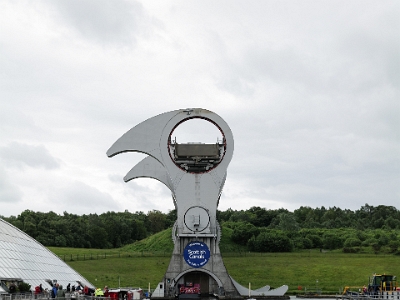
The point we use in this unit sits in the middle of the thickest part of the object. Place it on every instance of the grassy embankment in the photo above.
(146, 261)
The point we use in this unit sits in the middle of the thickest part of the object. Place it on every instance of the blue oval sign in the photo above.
(196, 254)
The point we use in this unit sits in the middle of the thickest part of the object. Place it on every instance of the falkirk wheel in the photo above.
(195, 173)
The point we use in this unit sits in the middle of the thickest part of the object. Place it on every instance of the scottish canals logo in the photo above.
(196, 254)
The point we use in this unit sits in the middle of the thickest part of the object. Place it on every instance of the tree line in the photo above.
(259, 229)
(107, 230)
(367, 217)
(331, 228)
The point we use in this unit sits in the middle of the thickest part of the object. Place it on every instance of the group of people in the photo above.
(78, 291)
(72, 292)
(56, 291)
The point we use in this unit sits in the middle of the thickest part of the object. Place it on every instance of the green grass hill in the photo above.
(162, 241)
(145, 262)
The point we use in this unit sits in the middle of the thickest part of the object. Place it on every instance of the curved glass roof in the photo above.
(23, 258)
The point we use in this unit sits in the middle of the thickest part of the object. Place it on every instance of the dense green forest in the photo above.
(258, 229)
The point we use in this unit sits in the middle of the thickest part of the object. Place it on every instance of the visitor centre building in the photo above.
(23, 259)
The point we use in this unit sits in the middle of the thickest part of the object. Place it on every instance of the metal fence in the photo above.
(392, 295)
(230, 253)
(98, 256)
(44, 296)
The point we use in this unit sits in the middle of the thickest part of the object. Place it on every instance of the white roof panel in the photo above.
(22, 257)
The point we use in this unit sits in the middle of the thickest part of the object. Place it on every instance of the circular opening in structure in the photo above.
(197, 130)
(197, 145)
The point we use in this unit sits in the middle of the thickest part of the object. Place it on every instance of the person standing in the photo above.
(60, 293)
(37, 291)
(12, 287)
(54, 291)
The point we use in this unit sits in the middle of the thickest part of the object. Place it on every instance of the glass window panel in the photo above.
(23, 257)
(8, 273)
(5, 262)
(2, 273)
(7, 254)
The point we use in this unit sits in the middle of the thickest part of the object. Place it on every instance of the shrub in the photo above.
(332, 241)
(243, 232)
(369, 242)
(393, 246)
(351, 249)
(251, 244)
(383, 240)
(361, 235)
(302, 243)
(24, 287)
(273, 241)
(298, 243)
(352, 242)
(376, 247)
(315, 239)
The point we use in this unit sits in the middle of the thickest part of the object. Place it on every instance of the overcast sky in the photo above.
(310, 90)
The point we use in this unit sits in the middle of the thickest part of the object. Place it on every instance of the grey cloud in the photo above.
(9, 192)
(20, 155)
(15, 122)
(150, 196)
(116, 178)
(146, 196)
(145, 191)
(310, 92)
(323, 56)
(103, 21)
(82, 198)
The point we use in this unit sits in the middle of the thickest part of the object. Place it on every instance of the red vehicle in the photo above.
(189, 289)
(125, 294)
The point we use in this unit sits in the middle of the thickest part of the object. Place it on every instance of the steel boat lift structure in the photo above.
(195, 173)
